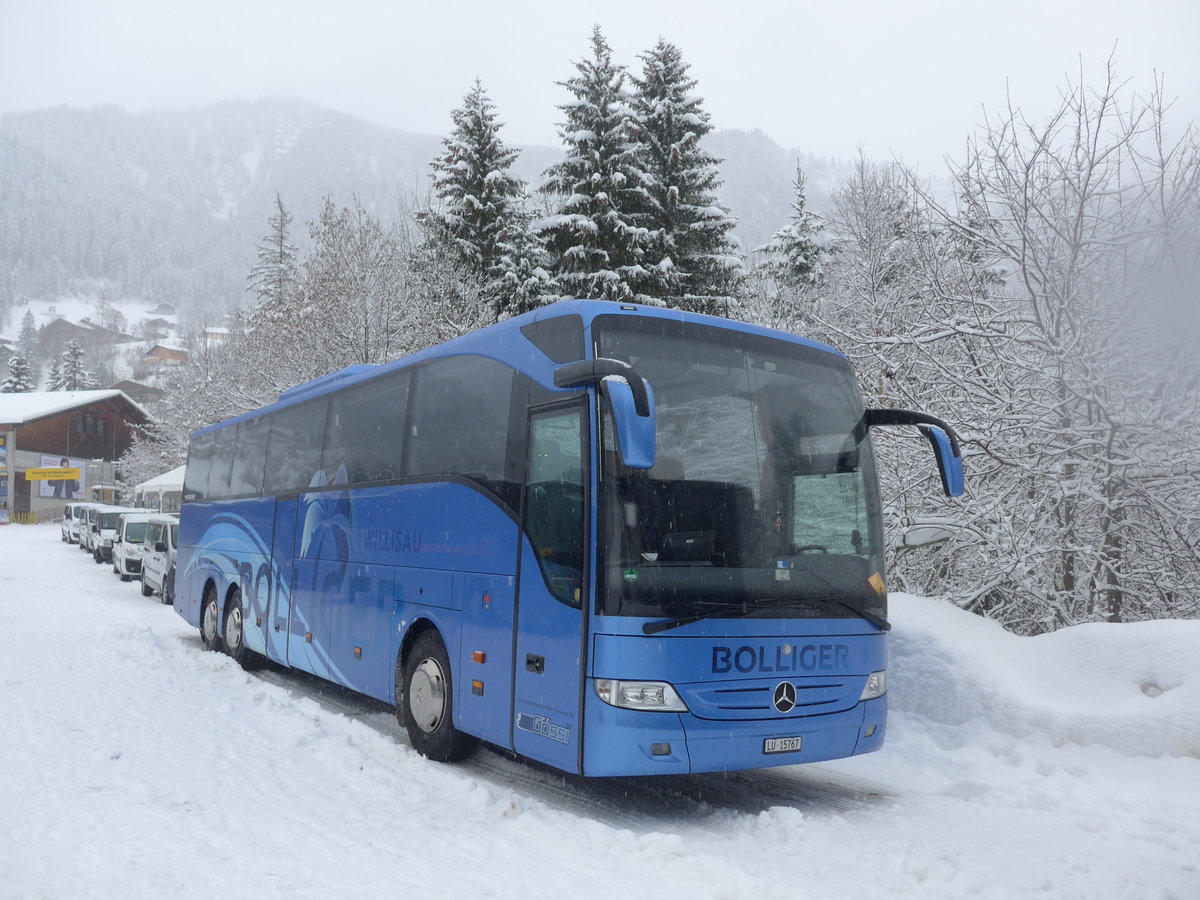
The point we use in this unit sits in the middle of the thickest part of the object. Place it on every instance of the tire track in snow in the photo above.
(637, 802)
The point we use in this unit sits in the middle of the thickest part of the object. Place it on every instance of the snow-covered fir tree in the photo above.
(795, 251)
(54, 382)
(20, 378)
(694, 258)
(478, 199)
(73, 375)
(599, 232)
(524, 282)
(29, 343)
(273, 277)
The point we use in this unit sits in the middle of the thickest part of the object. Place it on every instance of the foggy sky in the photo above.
(906, 79)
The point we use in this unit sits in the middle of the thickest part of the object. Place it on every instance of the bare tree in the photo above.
(1051, 316)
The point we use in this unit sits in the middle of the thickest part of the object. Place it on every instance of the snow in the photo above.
(252, 157)
(135, 765)
(80, 307)
(16, 409)
(168, 481)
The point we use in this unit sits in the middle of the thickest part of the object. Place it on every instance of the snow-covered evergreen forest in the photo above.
(1046, 304)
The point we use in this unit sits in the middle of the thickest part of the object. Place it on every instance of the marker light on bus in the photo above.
(652, 696)
(876, 686)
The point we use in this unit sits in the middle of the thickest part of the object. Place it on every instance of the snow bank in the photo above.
(136, 765)
(1132, 687)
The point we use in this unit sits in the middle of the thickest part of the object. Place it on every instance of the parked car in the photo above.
(158, 557)
(78, 520)
(89, 527)
(70, 522)
(104, 530)
(128, 543)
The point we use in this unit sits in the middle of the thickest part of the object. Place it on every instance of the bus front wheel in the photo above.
(429, 702)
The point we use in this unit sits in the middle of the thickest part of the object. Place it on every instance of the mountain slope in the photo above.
(170, 205)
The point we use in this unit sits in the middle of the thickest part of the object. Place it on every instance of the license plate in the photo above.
(781, 745)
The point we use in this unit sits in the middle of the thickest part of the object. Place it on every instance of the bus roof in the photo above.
(506, 343)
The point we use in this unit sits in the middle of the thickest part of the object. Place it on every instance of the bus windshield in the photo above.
(763, 501)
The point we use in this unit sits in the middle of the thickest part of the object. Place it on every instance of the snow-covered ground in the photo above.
(134, 765)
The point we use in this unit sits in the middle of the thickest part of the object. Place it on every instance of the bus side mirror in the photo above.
(629, 398)
(941, 436)
(635, 433)
(949, 462)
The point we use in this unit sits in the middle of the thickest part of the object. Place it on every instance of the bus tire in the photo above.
(210, 635)
(429, 702)
(235, 632)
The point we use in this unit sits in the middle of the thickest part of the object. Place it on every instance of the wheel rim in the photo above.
(233, 627)
(427, 696)
(210, 622)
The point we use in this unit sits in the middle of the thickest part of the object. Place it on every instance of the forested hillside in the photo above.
(167, 206)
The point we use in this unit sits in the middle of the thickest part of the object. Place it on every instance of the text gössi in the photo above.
(782, 658)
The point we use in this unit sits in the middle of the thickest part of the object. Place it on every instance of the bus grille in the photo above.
(753, 699)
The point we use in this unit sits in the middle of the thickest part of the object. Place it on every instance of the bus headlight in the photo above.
(652, 696)
(876, 686)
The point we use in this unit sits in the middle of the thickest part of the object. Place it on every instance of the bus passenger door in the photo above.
(548, 668)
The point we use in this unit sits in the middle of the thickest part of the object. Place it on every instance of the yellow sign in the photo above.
(51, 474)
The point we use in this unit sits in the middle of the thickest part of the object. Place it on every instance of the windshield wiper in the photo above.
(655, 627)
(878, 621)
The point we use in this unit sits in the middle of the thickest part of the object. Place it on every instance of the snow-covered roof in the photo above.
(167, 481)
(17, 409)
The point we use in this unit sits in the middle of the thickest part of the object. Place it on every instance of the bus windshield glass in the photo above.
(763, 500)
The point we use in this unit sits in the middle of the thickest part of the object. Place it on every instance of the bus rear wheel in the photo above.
(209, 636)
(429, 702)
(235, 632)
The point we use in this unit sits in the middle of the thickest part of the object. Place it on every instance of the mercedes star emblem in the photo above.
(785, 696)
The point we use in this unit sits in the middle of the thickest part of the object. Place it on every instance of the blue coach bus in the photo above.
(616, 539)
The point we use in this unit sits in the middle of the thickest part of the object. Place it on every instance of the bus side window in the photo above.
(294, 446)
(365, 430)
(195, 478)
(460, 419)
(554, 503)
(246, 476)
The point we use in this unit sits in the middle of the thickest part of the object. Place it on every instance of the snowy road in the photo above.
(135, 765)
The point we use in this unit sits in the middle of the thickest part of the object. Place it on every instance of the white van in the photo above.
(104, 529)
(74, 519)
(158, 557)
(128, 543)
(89, 527)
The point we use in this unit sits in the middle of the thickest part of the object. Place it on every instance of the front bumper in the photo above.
(620, 741)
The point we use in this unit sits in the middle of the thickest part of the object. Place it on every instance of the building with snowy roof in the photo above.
(87, 430)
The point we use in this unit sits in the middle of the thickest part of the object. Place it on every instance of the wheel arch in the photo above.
(416, 628)
(210, 584)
